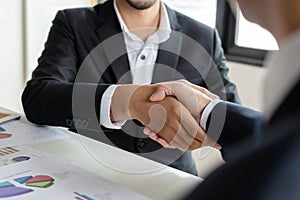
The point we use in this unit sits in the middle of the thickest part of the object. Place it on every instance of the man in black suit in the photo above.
(262, 154)
(91, 50)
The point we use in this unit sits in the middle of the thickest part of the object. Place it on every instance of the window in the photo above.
(242, 40)
(253, 36)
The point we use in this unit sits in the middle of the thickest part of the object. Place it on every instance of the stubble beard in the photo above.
(141, 4)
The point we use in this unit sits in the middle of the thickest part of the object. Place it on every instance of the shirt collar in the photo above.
(161, 35)
(283, 75)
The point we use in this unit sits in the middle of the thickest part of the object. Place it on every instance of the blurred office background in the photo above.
(24, 25)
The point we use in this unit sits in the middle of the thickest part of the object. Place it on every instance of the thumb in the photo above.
(159, 94)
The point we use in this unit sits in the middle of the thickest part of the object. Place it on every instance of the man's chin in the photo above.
(141, 4)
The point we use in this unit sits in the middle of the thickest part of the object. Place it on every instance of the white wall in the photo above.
(250, 82)
(11, 54)
(24, 26)
(39, 16)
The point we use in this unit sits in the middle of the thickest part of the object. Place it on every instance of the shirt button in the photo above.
(140, 143)
(143, 57)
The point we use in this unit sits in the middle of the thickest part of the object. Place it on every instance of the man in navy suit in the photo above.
(262, 153)
(95, 60)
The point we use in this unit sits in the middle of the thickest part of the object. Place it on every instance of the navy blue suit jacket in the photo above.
(262, 163)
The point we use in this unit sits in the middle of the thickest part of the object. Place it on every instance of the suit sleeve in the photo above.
(47, 98)
(217, 79)
(231, 124)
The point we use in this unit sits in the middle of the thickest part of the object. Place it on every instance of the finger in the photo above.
(161, 141)
(217, 146)
(175, 134)
(200, 89)
(210, 142)
(150, 133)
(159, 94)
(192, 127)
(155, 137)
(173, 131)
(177, 138)
(197, 137)
(180, 142)
(184, 138)
(147, 131)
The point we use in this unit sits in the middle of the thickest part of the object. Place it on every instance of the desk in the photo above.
(122, 167)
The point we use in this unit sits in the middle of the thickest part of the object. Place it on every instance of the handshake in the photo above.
(170, 111)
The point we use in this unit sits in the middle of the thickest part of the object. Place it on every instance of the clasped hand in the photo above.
(170, 111)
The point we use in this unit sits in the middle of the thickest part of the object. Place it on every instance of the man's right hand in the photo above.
(193, 97)
(168, 118)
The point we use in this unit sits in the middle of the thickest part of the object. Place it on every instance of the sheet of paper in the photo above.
(19, 132)
(47, 177)
(13, 155)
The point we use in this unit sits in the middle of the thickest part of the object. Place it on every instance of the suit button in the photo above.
(140, 143)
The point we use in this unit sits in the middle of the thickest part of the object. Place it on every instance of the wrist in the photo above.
(140, 101)
(207, 111)
(202, 105)
(120, 104)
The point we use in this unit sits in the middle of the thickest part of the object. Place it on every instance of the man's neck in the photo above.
(143, 23)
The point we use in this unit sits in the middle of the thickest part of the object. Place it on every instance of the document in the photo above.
(43, 176)
(4, 117)
(13, 155)
(20, 132)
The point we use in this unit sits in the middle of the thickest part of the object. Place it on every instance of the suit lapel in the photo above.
(168, 53)
(112, 40)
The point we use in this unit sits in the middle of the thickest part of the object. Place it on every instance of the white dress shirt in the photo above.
(141, 55)
(284, 72)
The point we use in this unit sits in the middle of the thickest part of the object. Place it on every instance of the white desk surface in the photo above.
(142, 175)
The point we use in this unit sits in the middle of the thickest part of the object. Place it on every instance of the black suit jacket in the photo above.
(266, 164)
(85, 53)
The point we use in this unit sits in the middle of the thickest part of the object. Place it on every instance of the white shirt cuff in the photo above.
(105, 109)
(206, 112)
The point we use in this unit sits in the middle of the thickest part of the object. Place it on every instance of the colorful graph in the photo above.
(7, 189)
(82, 196)
(20, 159)
(7, 151)
(36, 181)
(4, 135)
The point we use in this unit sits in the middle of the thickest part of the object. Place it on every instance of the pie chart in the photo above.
(5, 135)
(20, 159)
(41, 181)
(8, 189)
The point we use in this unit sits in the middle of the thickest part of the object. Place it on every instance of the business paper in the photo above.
(5, 117)
(14, 155)
(47, 177)
(20, 132)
